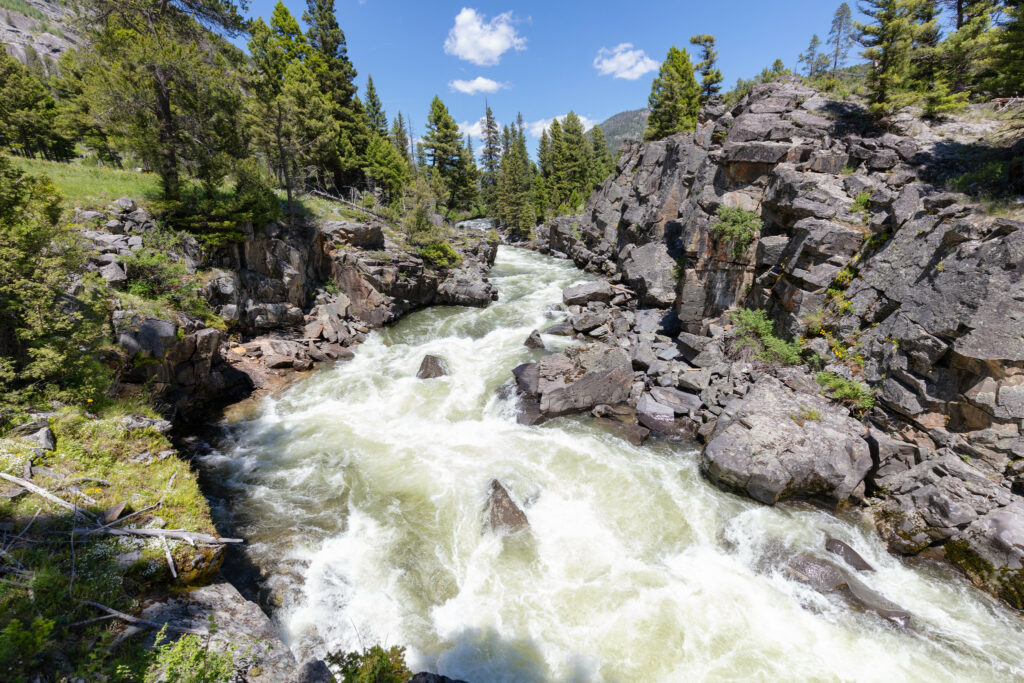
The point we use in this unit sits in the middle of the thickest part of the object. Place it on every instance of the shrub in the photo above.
(860, 203)
(440, 254)
(737, 227)
(815, 320)
(189, 660)
(846, 391)
(51, 321)
(155, 276)
(375, 665)
(756, 330)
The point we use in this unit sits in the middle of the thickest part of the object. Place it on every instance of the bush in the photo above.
(440, 254)
(189, 660)
(754, 329)
(737, 227)
(860, 203)
(376, 665)
(846, 391)
(155, 276)
(51, 321)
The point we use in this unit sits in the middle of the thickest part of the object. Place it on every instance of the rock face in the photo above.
(861, 252)
(775, 443)
(502, 514)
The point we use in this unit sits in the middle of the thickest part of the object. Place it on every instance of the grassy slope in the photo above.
(90, 187)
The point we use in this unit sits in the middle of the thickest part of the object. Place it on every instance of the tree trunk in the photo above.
(166, 130)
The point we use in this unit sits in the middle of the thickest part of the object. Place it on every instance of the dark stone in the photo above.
(431, 367)
(534, 341)
(582, 294)
(852, 557)
(502, 514)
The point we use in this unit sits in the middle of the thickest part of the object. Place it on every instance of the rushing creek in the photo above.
(361, 490)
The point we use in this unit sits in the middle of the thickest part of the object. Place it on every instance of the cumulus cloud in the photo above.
(623, 61)
(536, 128)
(478, 84)
(482, 42)
(476, 128)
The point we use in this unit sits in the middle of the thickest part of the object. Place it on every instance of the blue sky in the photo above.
(538, 58)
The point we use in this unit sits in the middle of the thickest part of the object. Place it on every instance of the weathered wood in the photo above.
(181, 535)
(45, 494)
(141, 622)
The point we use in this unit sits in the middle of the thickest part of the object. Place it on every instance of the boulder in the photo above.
(368, 236)
(502, 514)
(584, 293)
(313, 671)
(991, 552)
(534, 341)
(431, 367)
(582, 378)
(774, 443)
(648, 270)
(114, 275)
(466, 286)
(424, 677)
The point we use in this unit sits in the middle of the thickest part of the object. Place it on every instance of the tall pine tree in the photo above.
(888, 40)
(675, 97)
(490, 159)
(840, 37)
(443, 145)
(710, 74)
(375, 110)
(399, 137)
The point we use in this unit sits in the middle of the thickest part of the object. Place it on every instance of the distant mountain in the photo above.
(36, 32)
(626, 125)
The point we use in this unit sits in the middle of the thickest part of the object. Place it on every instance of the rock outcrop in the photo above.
(857, 250)
(502, 514)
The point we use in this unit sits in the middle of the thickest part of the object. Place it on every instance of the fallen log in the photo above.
(29, 486)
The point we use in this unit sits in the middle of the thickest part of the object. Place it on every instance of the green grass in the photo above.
(756, 330)
(846, 391)
(93, 187)
(737, 227)
(22, 7)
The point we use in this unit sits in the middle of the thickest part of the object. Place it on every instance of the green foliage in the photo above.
(710, 74)
(815, 62)
(806, 415)
(188, 660)
(838, 297)
(756, 330)
(22, 7)
(50, 328)
(815, 320)
(861, 202)
(737, 227)
(21, 644)
(375, 665)
(888, 39)
(375, 110)
(768, 75)
(840, 37)
(675, 97)
(28, 114)
(386, 167)
(440, 254)
(571, 165)
(849, 392)
(444, 148)
(515, 185)
(490, 161)
(92, 187)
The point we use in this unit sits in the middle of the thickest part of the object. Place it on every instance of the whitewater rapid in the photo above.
(360, 491)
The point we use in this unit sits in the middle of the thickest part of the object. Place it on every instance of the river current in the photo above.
(361, 490)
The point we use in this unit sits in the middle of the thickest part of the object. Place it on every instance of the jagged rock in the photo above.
(431, 367)
(584, 293)
(991, 552)
(648, 270)
(851, 556)
(582, 378)
(502, 514)
(466, 287)
(114, 275)
(313, 671)
(680, 402)
(424, 677)
(775, 443)
(363, 235)
(534, 341)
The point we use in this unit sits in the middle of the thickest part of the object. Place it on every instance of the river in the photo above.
(360, 491)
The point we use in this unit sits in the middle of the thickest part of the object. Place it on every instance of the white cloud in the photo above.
(476, 129)
(482, 42)
(536, 128)
(478, 84)
(622, 61)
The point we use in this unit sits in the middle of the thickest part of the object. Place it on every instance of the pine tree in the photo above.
(710, 74)
(156, 73)
(574, 158)
(386, 167)
(28, 115)
(490, 159)
(840, 37)
(515, 185)
(888, 40)
(675, 97)
(443, 145)
(336, 74)
(1008, 46)
(602, 164)
(375, 110)
(965, 52)
(465, 185)
(398, 136)
(815, 63)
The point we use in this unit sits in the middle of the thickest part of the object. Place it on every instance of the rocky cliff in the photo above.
(879, 273)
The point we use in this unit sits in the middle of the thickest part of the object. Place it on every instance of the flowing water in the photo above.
(361, 491)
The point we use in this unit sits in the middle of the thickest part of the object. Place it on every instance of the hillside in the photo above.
(626, 125)
(35, 28)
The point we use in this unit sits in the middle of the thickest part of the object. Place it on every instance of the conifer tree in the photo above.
(815, 63)
(465, 185)
(840, 37)
(574, 162)
(710, 74)
(888, 39)
(965, 52)
(1008, 67)
(375, 110)
(398, 136)
(515, 185)
(386, 167)
(602, 163)
(490, 159)
(443, 145)
(675, 97)
(28, 115)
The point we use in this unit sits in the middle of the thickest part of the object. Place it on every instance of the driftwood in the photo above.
(181, 535)
(137, 621)
(46, 494)
(167, 554)
(346, 202)
(627, 290)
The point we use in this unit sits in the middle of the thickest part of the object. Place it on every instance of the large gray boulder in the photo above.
(583, 378)
(775, 443)
(432, 367)
(991, 552)
(502, 514)
(584, 293)
(827, 577)
(649, 271)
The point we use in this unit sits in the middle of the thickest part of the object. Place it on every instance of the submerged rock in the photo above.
(502, 513)
(851, 556)
(826, 577)
(534, 341)
(431, 367)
